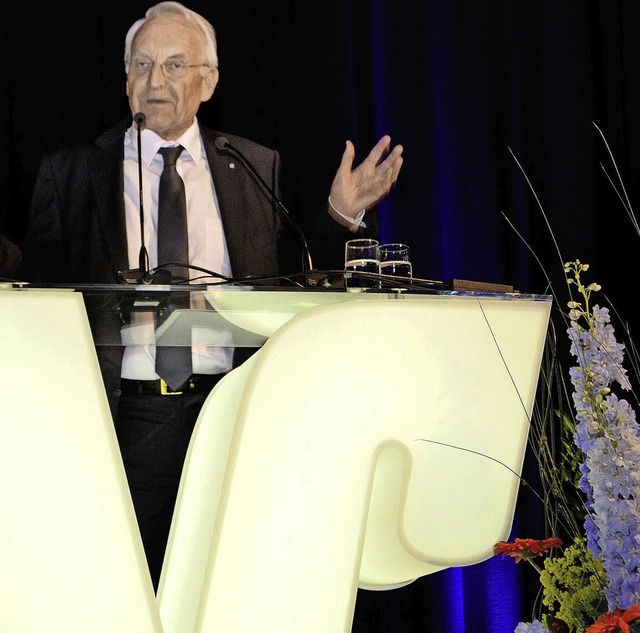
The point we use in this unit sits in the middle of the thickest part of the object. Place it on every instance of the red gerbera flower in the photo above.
(525, 548)
(615, 621)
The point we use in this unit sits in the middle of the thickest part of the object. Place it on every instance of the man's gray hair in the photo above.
(175, 9)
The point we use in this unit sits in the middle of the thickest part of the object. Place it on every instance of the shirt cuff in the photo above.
(353, 224)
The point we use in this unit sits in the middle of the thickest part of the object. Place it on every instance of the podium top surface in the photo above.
(227, 315)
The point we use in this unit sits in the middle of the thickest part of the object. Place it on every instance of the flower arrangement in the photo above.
(592, 482)
(594, 586)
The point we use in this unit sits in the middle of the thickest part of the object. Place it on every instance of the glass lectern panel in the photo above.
(223, 315)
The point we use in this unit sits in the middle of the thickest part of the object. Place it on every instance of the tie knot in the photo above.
(170, 154)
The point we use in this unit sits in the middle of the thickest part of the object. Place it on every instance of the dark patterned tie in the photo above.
(173, 244)
(173, 364)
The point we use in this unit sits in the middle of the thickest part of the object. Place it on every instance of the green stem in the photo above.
(534, 565)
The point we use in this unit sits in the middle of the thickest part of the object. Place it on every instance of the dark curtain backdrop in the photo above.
(471, 88)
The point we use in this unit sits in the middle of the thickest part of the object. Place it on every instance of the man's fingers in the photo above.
(379, 149)
(348, 157)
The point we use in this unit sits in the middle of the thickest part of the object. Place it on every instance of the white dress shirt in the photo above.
(207, 245)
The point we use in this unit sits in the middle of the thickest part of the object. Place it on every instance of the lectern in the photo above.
(71, 558)
(372, 439)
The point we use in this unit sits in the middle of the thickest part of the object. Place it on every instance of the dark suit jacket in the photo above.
(10, 257)
(77, 234)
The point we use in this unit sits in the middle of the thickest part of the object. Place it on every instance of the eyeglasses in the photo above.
(175, 69)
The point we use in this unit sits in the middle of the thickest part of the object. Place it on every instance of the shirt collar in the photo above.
(151, 142)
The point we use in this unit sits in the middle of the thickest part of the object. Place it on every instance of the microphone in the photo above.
(143, 257)
(222, 143)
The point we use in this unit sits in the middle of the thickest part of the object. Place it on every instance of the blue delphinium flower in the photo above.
(607, 432)
(533, 627)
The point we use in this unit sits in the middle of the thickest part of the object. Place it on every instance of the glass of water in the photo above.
(395, 260)
(362, 256)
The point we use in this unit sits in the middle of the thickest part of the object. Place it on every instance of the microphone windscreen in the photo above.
(140, 117)
(221, 143)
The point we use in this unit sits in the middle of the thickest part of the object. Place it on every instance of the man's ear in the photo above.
(209, 84)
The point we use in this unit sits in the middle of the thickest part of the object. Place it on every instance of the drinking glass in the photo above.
(361, 255)
(395, 260)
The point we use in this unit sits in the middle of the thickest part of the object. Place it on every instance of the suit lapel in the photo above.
(229, 184)
(107, 181)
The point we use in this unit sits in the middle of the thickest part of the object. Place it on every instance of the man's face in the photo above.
(160, 84)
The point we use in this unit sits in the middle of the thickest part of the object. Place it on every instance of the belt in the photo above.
(197, 383)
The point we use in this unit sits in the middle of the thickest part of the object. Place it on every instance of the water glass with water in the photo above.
(395, 260)
(362, 256)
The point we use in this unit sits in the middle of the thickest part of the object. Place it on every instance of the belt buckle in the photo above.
(164, 390)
